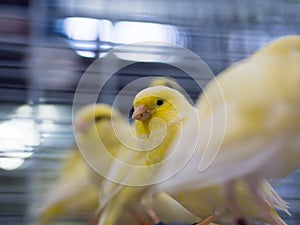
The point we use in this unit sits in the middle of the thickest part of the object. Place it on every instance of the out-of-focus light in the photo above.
(84, 29)
(128, 32)
(17, 138)
(106, 47)
(48, 111)
(93, 37)
(47, 114)
(24, 110)
(80, 29)
(146, 52)
(47, 125)
(138, 34)
(105, 30)
(87, 54)
(84, 49)
(11, 163)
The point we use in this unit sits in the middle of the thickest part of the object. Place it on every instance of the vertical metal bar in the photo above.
(38, 21)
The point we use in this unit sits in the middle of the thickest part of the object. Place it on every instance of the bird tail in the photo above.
(273, 199)
(278, 219)
(275, 202)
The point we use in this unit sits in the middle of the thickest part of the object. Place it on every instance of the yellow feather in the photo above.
(171, 115)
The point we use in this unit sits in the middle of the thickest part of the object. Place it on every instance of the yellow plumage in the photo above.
(173, 114)
(106, 145)
(124, 197)
(262, 109)
(212, 201)
(158, 130)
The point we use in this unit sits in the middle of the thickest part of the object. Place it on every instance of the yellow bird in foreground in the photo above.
(161, 115)
(119, 197)
(249, 120)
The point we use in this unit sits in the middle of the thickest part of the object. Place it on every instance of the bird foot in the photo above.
(207, 220)
(143, 223)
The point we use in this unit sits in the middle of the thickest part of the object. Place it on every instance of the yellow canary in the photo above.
(80, 185)
(119, 197)
(164, 112)
(159, 113)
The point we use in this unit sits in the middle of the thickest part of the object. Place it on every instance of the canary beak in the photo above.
(141, 113)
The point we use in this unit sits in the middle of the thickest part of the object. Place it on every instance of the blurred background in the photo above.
(47, 45)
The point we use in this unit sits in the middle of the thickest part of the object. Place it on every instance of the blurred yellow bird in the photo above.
(77, 190)
(104, 141)
(250, 127)
(73, 195)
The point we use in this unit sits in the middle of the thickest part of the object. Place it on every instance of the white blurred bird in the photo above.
(249, 118)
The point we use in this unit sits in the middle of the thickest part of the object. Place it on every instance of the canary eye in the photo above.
(159, 102)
